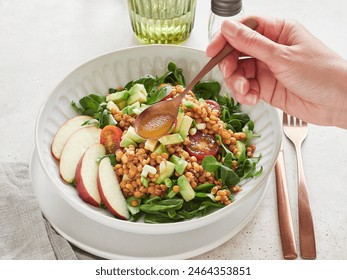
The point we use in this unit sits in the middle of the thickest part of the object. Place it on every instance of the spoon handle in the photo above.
(251, 23)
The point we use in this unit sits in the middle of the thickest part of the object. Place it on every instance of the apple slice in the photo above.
(110, 191)
(64, 132)
(87, 174)
(74, 148)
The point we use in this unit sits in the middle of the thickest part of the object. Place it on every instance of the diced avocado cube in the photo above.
(175, 159)
(136, 97)
(162, 166)
(144, 107)
(186, 189)
(186, 124)
(171, 139)
(168, 182)
(188, 104)
(112, 107)
(133, 107)
(179, 120)
(180, 164)
(122, 104)
(125, 110)
(160, 149)
(144, 181)
(137, 93)
(127, 141)
(151, 144)
(241, 151)
(124, 143)
(138, 111)
(118, 96)
(138, 88)
(109, 119)
(166, 171)
(131, 133)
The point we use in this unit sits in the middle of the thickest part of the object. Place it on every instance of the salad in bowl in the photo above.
(200, 165)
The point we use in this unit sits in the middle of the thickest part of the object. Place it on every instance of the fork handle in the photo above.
(284, 214)
(306, 229)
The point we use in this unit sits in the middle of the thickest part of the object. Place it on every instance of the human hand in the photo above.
(288, 68)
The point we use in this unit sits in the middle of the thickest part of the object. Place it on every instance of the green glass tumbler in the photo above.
(162, 21)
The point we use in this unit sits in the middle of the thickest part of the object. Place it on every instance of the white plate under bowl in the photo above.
(117, 68)
(107, 242)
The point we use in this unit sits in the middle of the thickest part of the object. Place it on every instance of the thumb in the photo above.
(249, 41)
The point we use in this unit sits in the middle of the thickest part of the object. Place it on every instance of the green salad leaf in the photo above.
(95, 106)
(162, 206)
(207, 90)
(159, 95)
(221, 171)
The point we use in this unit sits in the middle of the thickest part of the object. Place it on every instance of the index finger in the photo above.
(216, 45)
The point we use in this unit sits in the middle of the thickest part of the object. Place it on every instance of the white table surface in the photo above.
(42, 41)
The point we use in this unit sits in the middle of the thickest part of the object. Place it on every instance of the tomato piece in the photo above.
(169, 95)
(161, 85)
(202, 145)
(214, 106)
(110, 137)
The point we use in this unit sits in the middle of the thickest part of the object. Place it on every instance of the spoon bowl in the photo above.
(157, 120)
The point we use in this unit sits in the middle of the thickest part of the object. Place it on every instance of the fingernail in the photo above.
(228, 27)
(239, 86)
(251, 99)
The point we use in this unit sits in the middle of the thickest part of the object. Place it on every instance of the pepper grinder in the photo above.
(223, 10)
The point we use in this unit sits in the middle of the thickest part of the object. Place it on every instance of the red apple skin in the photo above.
(64, 131)
(108, 205)
(81, 189)
(74, 148)
(88, 190)
(105, 200)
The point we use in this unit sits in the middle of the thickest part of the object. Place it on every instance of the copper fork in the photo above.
(296, 130)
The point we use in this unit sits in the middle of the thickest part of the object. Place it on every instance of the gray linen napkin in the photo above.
(24, 233)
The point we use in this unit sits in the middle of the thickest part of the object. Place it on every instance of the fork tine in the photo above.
(292, 121)
(285, 118)
(299, 122)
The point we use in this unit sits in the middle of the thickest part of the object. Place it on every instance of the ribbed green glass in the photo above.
(162, 21)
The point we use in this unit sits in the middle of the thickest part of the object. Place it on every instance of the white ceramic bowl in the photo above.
(117, 68)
